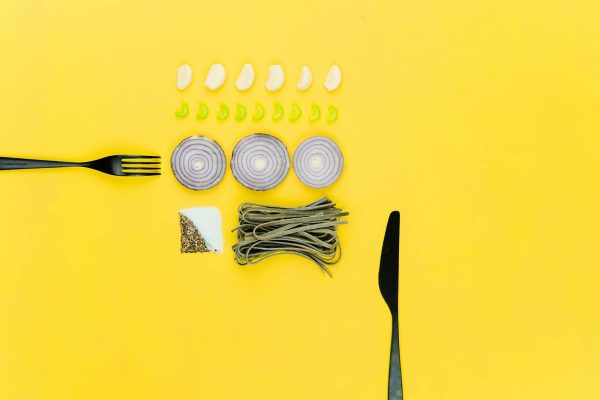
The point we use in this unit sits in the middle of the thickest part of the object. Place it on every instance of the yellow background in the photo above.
(478, 120)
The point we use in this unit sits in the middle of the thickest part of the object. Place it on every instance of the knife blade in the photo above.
(388, 286)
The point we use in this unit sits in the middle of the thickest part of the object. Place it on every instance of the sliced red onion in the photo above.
(318, 162)
(260, 161)
(198, 163)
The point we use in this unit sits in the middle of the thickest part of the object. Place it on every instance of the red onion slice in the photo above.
(260, 161)
(198, 163)
(318, 162)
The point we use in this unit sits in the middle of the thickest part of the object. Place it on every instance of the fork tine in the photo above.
(141, 174)
(127, 163)
(125, 169)
(124, 156)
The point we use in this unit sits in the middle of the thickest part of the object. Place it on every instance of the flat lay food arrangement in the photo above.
(327, 200)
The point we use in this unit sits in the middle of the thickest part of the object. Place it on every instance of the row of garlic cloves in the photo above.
(217, 75)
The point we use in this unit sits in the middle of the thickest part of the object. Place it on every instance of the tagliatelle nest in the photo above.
(310, 231)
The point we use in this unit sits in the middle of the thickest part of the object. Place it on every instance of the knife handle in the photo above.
(395, 377)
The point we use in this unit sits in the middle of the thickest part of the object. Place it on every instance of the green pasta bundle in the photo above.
(309, 231)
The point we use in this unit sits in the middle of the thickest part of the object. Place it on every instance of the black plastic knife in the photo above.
(388, 285)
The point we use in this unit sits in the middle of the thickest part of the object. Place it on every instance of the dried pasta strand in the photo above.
(309, 231)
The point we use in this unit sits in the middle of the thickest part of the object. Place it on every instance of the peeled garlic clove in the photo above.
(184, 76)
(246, 78)
(334, 78)
(215, 77)
(305, 79)
(275, 79)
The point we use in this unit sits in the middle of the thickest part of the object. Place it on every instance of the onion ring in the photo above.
(198, 163)
(318, 162)
(260, 161)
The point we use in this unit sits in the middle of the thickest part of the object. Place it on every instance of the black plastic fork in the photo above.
(119, 165)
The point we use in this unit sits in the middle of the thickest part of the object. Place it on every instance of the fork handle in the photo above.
(8, 163)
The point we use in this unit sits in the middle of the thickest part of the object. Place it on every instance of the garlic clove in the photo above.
(184, 76)
(215, 77)
(334, 78)
(246, 78)
(305, 80)
(275, 78)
